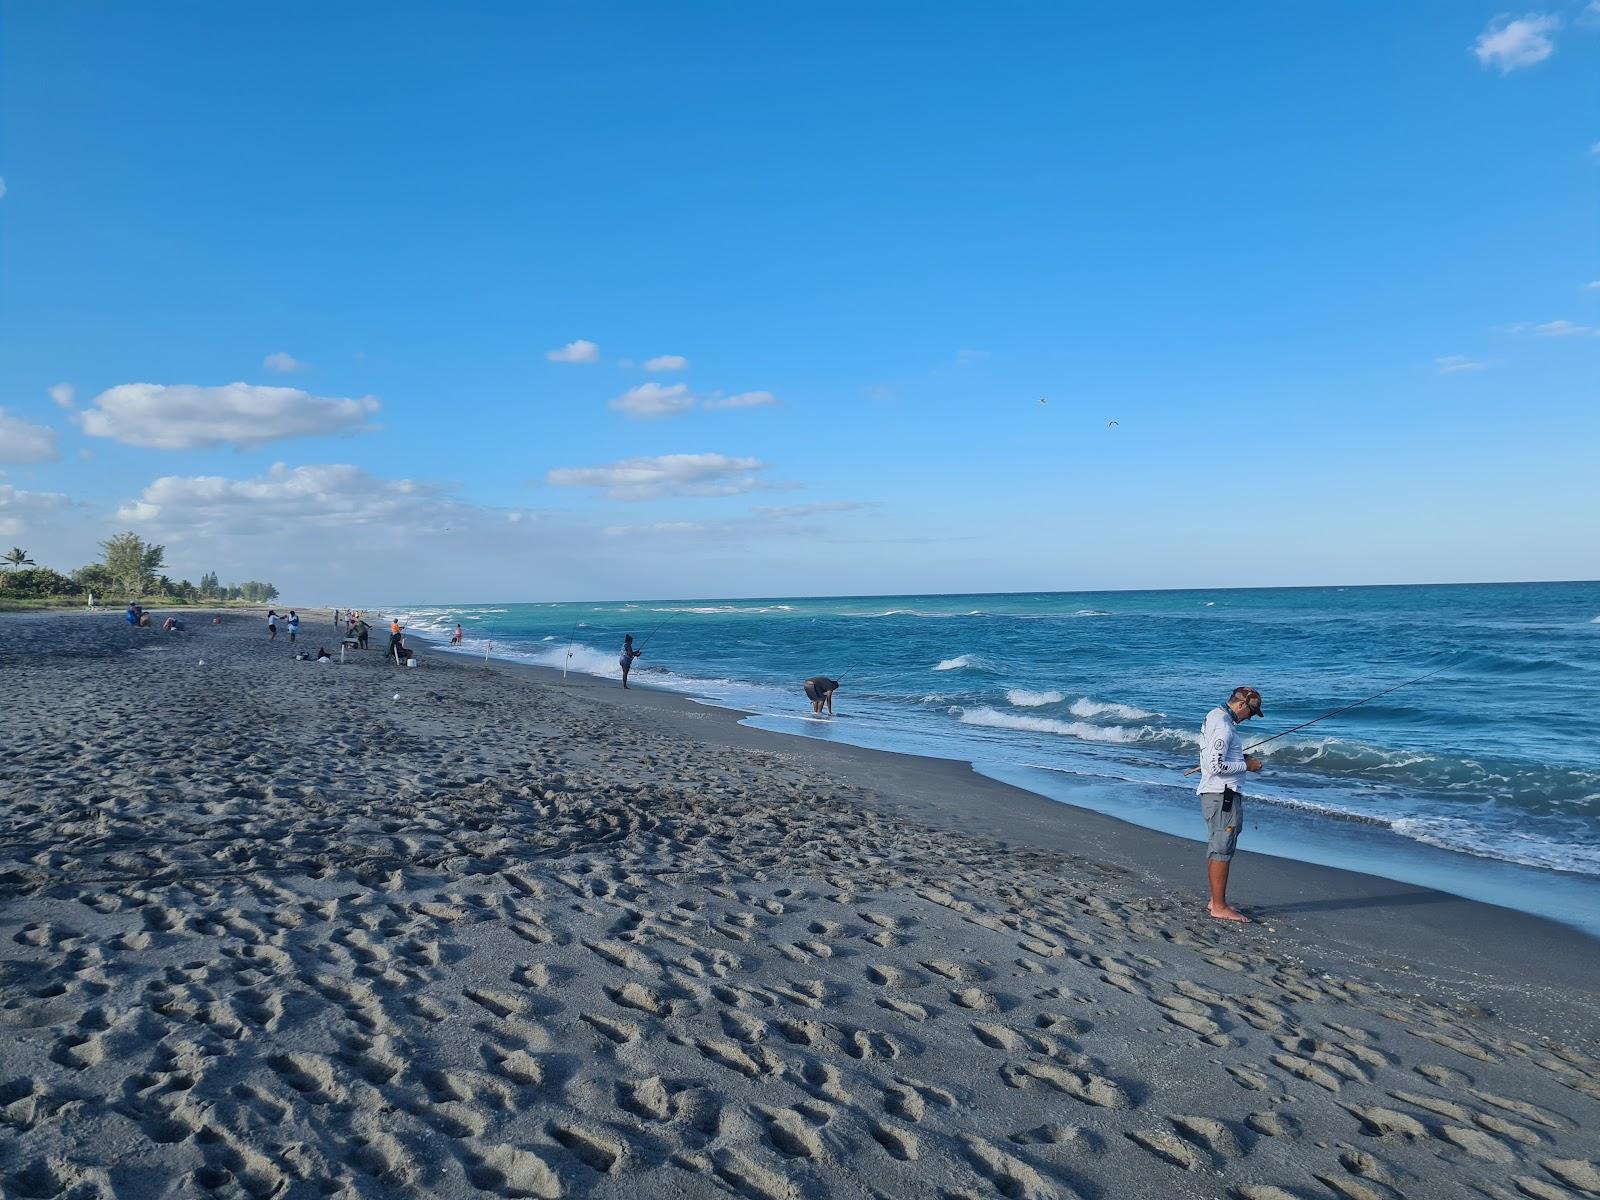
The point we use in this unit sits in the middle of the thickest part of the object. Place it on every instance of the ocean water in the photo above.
(1483, 781)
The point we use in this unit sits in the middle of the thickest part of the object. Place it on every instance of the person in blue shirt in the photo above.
(132, 615)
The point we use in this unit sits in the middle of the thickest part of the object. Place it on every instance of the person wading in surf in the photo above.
(820, 690)
(1222, 762)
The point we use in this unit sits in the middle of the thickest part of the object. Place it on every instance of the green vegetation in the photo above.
(130, 569)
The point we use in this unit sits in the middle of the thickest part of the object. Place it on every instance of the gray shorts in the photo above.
(1222, 828)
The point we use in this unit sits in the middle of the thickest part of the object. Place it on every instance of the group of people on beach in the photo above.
(291, 623)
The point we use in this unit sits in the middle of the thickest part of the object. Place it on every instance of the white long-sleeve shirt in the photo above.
(1221, 752)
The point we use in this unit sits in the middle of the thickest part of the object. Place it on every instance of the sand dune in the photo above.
(270, 931)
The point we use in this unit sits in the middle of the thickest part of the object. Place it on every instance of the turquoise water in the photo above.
(1484, 780)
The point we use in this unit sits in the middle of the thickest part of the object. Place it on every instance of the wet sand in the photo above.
(274, 928)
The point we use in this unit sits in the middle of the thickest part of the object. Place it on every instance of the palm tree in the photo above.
(18, 558)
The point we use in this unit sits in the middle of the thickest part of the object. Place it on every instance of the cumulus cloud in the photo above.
(334, 496)
(580, 351)
(666, 362)
(1510, 43)
(1454, 364)
(19, 510)
(1561, 329)
(284, 363)
(665, 475)
(189, 417)
(650, 400)
(22, 442)
(63, 395)
(742, 400)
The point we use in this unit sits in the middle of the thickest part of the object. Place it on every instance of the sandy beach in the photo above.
(275, 928)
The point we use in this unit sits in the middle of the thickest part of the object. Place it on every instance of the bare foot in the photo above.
(1225, 912)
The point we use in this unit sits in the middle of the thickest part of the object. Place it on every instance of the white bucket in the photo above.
(412, 661)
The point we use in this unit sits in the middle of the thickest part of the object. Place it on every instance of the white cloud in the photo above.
(742, 400)
(22, 442)
(650, 400)
(1592, 286)
(580, 351)
(284, 363)
(657, 528)
(1561, 329)
(20, 510)
(188, 417)
(1510, 43)
(965, 358)
(1453, 364)
(63, 395)
(665, 475)
(330, 497)
(666, 362)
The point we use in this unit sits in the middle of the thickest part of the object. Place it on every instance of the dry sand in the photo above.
(280, 929)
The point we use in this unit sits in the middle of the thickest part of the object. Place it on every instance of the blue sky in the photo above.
(1327, 267)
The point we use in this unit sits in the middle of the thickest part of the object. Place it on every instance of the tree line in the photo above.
(130, 568)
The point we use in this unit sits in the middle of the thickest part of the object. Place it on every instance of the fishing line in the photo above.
(1337, 711)
(657, 629)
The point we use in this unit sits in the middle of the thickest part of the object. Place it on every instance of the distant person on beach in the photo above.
(1222, 762)
(294, 625)
(820, 690)
(395, 627)
(172, 625)
(272, 625)
(455, 638)
(362, 629)
(628, 655)
(132, 615)
(336, 618)
(323, 656)
(144, 619)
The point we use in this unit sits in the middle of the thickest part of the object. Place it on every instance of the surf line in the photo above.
(1337, 711)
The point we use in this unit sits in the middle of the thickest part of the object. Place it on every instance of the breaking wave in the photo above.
(1023, 698)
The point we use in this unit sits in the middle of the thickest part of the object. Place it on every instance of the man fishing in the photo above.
(820, 690)
(1222, 762)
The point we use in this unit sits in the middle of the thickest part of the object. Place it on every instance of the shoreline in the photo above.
(1483, 950)
(1418, 868)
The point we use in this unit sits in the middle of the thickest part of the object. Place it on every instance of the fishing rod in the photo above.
(1337, 711)
(571, 637)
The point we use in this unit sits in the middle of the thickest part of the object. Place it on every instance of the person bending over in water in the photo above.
(628, 655)
(820, 690)
(455, 638)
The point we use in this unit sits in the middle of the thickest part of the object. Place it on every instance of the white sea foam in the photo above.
(1090, 612)
(1082, 730)
(1023, 698)
(965, 662)
(1097, 708)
